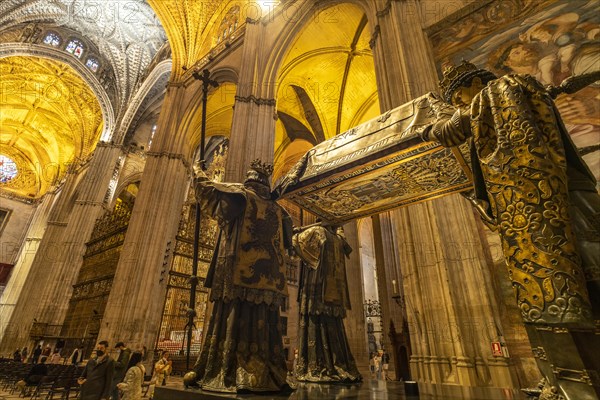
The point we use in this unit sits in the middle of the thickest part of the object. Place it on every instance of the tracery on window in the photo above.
(52, 39)
(75, 47)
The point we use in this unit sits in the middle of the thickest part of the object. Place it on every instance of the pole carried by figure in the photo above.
(191, 312)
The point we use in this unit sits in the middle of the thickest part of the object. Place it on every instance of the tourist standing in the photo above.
(96, 379)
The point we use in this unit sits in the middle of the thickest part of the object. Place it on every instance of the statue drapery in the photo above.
(243, 347)
(323, 351)
(525, 170)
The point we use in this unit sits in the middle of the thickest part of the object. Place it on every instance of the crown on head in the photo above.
(259, 172)
(462, 75)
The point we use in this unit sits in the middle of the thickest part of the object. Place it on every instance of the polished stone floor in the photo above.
(369, 390)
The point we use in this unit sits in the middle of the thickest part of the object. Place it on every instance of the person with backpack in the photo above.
(131, 387)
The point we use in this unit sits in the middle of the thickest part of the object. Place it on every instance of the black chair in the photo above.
(59, 386)
(44, 384)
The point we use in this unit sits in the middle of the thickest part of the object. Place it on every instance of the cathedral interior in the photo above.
(101, 118)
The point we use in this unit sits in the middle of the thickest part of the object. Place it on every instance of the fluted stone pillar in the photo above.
(134, 308)
(441, 263)
(24, 260)
(253, 126)
(354, 323)
(386, 249)
(47, 290)
(403, 58)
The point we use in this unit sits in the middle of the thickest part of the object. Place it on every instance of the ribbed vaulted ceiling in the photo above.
(325, 86)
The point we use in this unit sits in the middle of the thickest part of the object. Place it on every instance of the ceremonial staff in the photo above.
(206, 84)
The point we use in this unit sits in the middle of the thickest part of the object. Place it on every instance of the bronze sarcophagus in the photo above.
(377, 166)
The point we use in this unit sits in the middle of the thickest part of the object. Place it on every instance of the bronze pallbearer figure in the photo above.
(243, 347)
(323, 351)
(531, 185)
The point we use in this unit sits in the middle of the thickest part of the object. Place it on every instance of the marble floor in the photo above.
(369, 390)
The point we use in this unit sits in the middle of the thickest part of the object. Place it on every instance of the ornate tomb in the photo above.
(382, 164)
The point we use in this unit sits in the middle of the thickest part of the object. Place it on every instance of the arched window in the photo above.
(8, 169)
(75, 47)
(52, 39)
(229, 24)
(92, 64)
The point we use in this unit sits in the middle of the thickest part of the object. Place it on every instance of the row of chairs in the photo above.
(61, 380)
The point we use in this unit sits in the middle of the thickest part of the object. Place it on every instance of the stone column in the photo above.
(355, 318)
(403, 57)
(450, 334)
(134, 308)
(385, 250)
(253, 126)
(24, 260)
(47, 290)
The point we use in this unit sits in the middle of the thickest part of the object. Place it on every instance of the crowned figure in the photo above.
(533, 188)
(243, 348)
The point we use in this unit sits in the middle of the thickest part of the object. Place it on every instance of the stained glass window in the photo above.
(8, 169)
(92, 64)
(52, 39)
(75, 47)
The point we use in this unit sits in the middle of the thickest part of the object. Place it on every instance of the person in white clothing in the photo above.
(131, 387)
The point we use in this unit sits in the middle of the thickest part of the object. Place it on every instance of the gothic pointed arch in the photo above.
(297, 17)
(219, 114)
(220, 104)
(151, 91)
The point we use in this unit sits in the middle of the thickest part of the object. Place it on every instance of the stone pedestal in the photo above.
(369, 389)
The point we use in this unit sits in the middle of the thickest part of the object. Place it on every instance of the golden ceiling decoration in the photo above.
(185, 22)
(126, 32)
(193, 26)
(325, 86)
(49, 118)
